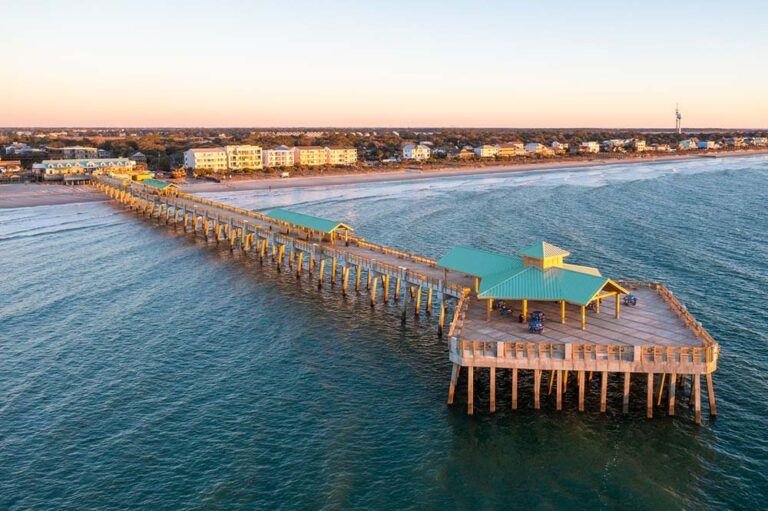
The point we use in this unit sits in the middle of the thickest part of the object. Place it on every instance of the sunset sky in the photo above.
(389, 63)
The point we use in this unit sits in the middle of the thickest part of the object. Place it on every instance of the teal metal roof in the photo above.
(477, 262)
(551, 284)
(307, 221)
(155, 183)
(541, 250)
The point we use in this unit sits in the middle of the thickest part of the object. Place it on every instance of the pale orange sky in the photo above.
(352, 64)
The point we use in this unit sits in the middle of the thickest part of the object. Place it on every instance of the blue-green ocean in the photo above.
(143, 369)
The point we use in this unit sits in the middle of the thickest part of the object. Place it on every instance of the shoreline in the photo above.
(355, 177)
(21, 195)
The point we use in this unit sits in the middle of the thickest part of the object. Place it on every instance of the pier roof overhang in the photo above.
(478, 263)
(537, 272)
(308, 221)
(156, 183)
(552, 284)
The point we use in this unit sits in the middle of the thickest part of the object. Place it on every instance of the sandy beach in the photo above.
(31, 194)
(405, 175)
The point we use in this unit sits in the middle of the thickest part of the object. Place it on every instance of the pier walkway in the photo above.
(657, 338)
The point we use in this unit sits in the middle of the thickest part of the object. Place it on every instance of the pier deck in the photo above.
(652, 322)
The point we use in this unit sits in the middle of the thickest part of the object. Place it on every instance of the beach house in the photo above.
(418, 152)
(487, 151)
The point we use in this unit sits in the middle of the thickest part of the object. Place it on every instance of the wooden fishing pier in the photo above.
(655, 343)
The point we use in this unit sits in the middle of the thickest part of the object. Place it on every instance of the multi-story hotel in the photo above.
(81, 169)
(206, 158)
(341, 155)
(281, 156)
(309, 156)
(243, 157)
(418, 152)
(231, 157)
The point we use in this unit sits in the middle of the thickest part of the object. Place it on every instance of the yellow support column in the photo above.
(333, 270)
(344, 280)
(417, 301)
(300, 263)
(525, 309)
(618, 305)
(322, 271)
(397, 289)
(562, 311)
(385, 287)
(583, 317)
(374, 285)
(357, 278)
(429, 302)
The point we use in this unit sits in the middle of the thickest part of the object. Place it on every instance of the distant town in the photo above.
(71, 155)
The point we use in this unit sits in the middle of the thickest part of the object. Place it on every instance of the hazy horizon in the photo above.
(356, 65)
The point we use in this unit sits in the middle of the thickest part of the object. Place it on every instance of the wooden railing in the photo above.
(583, 352)
(459, 315)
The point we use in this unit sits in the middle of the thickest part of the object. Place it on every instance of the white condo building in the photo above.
(416, 152)
(487, 151)
(231, 157)
(281, 156)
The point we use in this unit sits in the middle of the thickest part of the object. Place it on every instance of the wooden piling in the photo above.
(514, 388)
(604, 392)
(711, 395)
(429, 302)
(671, 392)
(625, 404)
(581, 391)
(536, 388)
(492, 384)
(417, 301)
(470, 390)
(559, 390)
(357, 278)
(455, 370)
(649, 401)
(697, 397)
(374, 285)
(661, 389)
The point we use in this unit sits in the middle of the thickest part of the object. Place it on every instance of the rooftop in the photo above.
(307, 221)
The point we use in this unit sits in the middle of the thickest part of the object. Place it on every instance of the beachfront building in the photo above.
(589, 147)
(706, 145)
(206, 158)
(281, 156)
(638, 145)
(735, 141)
(687, 144)
(340, 156)
(487, 151)
(243, 157)
(510, 150)
(72, 152)
(80, 170)
(756, 141)
(418, 152)
(10, 167)
(613, 145)
(309, 156)
(540, 149)
(559, 147)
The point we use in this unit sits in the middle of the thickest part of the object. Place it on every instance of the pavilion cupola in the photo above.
(543, 255)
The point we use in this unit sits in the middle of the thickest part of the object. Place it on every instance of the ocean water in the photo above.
(143, 369)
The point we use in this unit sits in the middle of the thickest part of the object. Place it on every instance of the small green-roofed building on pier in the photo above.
(313, 226)
(536, 273)
(156, 186)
